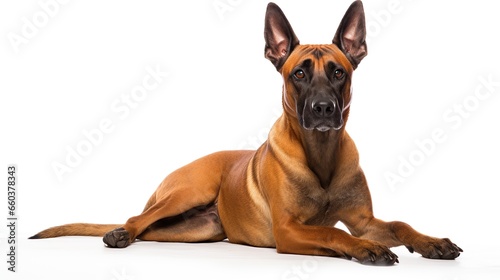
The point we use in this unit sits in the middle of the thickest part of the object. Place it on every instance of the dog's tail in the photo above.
(77, 229)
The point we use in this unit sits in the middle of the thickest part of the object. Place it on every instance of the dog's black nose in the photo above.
(323, 108)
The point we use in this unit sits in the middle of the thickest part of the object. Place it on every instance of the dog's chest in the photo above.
(324, 206)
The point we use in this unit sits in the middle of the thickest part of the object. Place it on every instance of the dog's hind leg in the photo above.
(201, 224)
(190, 187)
(173, 198)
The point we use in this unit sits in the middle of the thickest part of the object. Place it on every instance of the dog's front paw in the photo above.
(436, 248)
(369, 252)
(117, 238)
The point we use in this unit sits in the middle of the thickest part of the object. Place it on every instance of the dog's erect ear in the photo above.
(351, 34)
(280, 38)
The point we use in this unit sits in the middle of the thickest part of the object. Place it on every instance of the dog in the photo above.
(290, 192)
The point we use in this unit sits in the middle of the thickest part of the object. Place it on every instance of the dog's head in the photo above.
(317, 78)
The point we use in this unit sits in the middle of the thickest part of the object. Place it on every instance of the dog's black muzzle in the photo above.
(322, 111)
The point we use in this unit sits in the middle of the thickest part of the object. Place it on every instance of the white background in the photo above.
(425, 59)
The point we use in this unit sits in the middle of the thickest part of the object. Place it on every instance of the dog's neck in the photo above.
(321, 149)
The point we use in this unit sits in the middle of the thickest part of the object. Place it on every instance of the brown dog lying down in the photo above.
(290, 192)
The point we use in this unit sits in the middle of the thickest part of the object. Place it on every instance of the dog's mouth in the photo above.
(321, 125)
(323, 128)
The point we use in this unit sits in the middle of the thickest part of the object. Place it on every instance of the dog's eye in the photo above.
(299, 74)
(339, 74)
